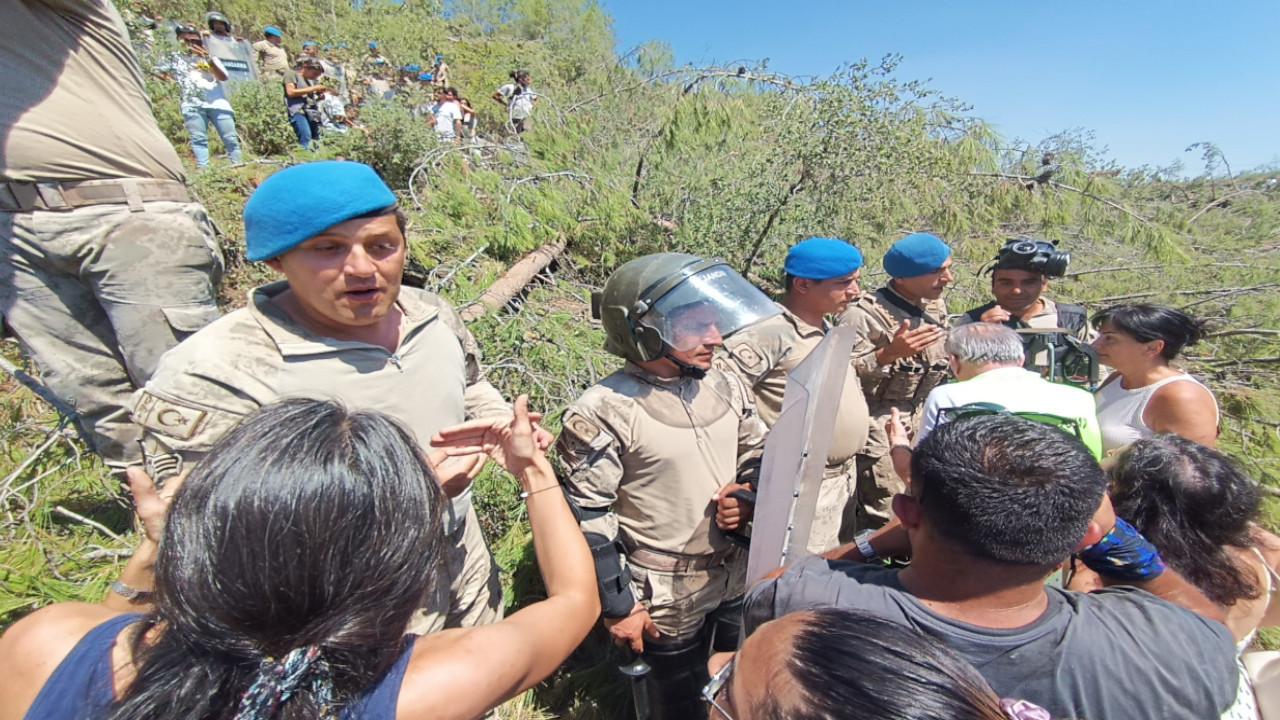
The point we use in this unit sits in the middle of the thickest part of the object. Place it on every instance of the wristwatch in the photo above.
(863, 541)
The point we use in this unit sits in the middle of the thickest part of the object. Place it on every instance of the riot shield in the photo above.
(236, 56)
(795, 455)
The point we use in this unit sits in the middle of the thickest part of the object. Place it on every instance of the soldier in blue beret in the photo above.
(339, 326)
(899, 357)
(821, 280)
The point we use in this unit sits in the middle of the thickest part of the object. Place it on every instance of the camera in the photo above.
(1036, 256)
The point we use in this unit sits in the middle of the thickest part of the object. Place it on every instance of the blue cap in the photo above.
(425, 76)
(343, 45)
(373, 43)
(308, 43)
(272, 30)
(411, 67)
(327, 46)
(300, 201)
(439, 57)
(916, 254)
(821, 258)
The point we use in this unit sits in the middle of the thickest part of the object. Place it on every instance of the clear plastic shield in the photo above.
(237, 57)
(795, 455)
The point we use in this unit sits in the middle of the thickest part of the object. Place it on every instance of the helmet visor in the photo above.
(707, 307)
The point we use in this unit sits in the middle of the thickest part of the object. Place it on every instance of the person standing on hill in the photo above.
(106, 260)
(653, 453)
(273, 59)
(302, 100)
(518, 98)
(899, 357)
(204, 102)
(821, 279)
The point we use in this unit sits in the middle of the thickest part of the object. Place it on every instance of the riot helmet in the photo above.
(667, 301)
(212, 17)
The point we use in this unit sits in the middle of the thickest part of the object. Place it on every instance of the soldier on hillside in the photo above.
(899, 356)
(821, 279)
(653, 453)
(339, 326)
(106, 260)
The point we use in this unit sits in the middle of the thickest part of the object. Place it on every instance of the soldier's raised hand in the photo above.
(908, 341)
(731, 513)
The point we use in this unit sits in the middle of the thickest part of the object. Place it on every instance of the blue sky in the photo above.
(1149, 78)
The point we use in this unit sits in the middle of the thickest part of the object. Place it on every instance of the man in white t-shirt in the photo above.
(519, 98)
(448, 116)
(987, 361)
(204, 101)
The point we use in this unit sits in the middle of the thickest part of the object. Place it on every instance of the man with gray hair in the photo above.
(986, 359)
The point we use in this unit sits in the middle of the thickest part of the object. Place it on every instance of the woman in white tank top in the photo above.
(1144, 395)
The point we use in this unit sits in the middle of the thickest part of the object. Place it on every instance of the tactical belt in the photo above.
(28, 196)
(670, 562)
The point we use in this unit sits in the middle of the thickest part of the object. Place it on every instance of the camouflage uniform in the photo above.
(903, 385)
(648, 453)
(763, 355)
(106, 261)
(258, 354)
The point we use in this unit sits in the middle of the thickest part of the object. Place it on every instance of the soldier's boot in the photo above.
(724, 626)
(679, 671)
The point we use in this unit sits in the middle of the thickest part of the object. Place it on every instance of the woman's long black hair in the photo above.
(848, 664)
(306, 526)
(1191, 502)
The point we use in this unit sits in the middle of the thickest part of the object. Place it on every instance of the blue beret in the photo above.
(300, 201)
(821, 258)
(373, 43)
(916, 254)
(411, 67)
(308, 43)
(272, 30)
(425, 76)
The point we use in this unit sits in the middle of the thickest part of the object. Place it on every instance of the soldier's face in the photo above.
(349, 274)
(835, 294)
(695, 336)
(928, 286)
(1017, 290)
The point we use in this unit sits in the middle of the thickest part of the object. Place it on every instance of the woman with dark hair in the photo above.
(838, 663)
(1196, 506)
(1145, 394)
(285, 573)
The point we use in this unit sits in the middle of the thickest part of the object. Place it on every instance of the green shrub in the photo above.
(261, 118)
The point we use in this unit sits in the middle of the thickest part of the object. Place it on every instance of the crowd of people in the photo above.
(301, 467)
(324, 86)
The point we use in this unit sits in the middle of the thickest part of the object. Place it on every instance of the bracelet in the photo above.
(132, 594)
(524, 494)
(1123, 554)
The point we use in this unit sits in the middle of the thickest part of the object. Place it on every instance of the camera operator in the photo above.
(1019, 278)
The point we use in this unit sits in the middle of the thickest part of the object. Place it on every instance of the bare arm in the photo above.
(1185, 409)
(463, 673)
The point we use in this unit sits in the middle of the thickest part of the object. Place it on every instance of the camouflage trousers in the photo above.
(473, 595)
(97, 294)
(834, 496)
(679, 602)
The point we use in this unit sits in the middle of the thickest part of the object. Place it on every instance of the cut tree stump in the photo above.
(514, 281)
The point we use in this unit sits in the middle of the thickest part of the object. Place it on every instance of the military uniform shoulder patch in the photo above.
(580, 439)
(166, 417)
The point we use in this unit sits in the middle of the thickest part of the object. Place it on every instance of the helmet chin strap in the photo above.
(687, 370)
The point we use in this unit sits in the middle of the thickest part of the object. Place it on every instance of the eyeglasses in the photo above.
(713, 688)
